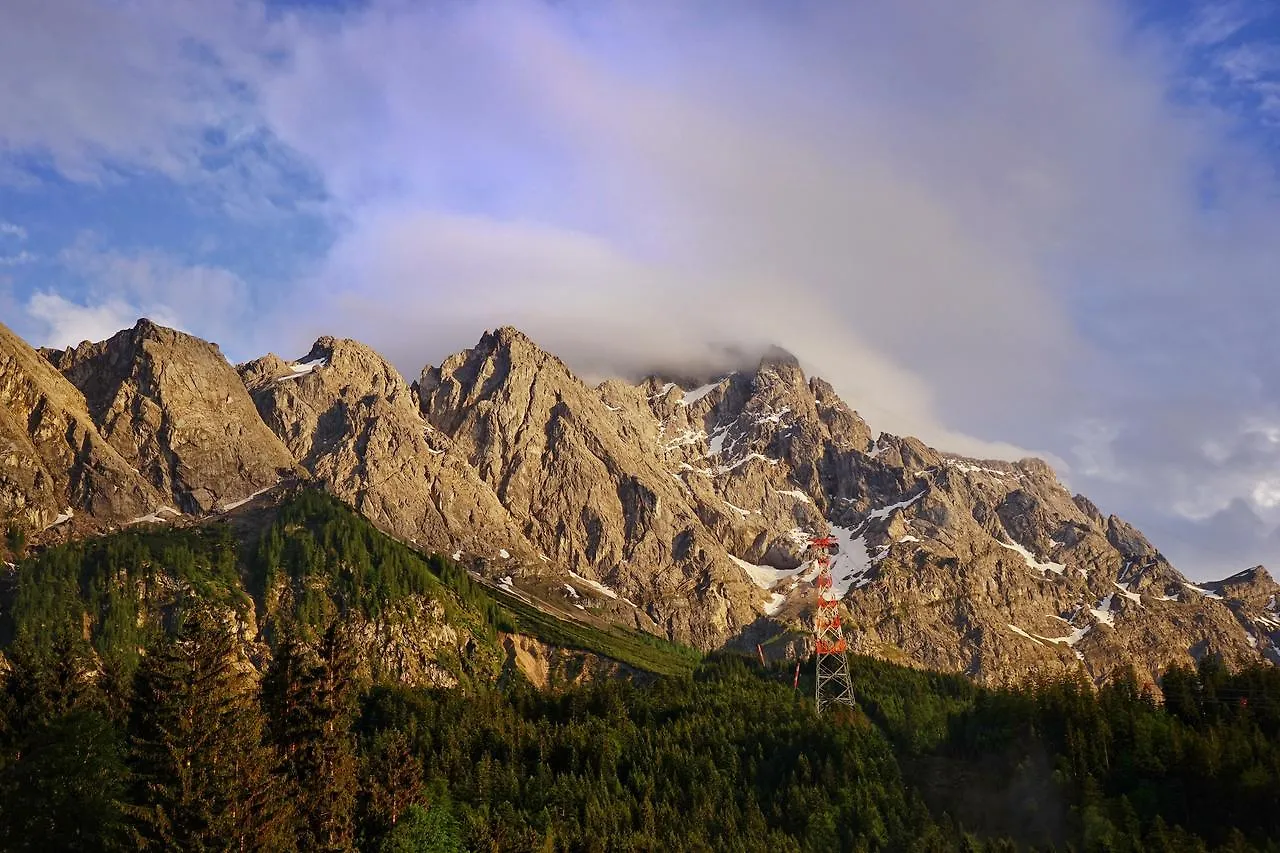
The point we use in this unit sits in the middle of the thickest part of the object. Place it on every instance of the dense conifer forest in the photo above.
(131, 717)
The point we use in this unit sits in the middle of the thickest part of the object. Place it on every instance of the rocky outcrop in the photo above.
(988, 568)
(684, 511)
(352, 422)
(176, 411)
(55, 468)
(592, 500)
(550, 667)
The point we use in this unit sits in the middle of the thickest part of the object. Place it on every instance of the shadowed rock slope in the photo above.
(173, 407)
(55, 468)
(351, 421)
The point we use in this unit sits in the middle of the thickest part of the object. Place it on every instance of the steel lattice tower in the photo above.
(834, 685)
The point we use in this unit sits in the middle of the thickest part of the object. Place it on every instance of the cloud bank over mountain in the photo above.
(1008, 230)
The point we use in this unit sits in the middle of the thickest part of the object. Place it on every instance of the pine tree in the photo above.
(432, 830)
(392, 781)
(204, 778)
(45, 681)
(63, 791)
(309, 700)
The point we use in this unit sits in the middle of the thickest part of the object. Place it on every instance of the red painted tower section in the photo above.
(834, 685)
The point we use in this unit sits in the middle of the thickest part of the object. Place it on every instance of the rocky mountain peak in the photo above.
(56, 470)
(176, 410)
(509, 344)
(1253, 586)
(678, 507)
(348, 417)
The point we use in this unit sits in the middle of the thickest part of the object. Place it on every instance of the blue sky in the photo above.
(1010, 228)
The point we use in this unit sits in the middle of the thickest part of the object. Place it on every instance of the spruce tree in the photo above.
(63, 791)
(392, 781)
(204, 779)
(309, 699)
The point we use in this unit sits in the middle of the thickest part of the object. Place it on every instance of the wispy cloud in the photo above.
(17, 260)
(1216, 22)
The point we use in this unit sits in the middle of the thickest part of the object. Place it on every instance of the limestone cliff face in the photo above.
(173, 407)
(592, 500)
(350, 420)
(989, 568)
(55, 468)
(683, 511)
(550, 667)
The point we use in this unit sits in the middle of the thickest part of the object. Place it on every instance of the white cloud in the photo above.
(1216, 21)
(991, 234)
(8, 229)
(102, 92)
(62, 323)
(1266, 493)
(118, 288)
(982, 220)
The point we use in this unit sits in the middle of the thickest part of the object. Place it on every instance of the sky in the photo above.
(1011, 228)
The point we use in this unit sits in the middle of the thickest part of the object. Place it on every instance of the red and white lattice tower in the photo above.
(834, 685)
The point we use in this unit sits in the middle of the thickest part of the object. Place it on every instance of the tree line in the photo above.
(134, 715)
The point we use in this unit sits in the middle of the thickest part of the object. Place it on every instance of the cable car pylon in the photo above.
(834, 684)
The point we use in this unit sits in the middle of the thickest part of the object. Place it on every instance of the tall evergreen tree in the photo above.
(392, 781)
(205, 780)
(62, 792)
(423, 830)
(309, 699)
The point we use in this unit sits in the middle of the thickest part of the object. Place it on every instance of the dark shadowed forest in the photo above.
(133, 715)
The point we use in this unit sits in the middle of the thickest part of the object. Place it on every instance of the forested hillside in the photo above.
(193, 754)
(266, 685)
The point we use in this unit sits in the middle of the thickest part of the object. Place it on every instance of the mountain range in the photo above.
(674, 506)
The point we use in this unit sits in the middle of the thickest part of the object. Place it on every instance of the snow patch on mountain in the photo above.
(302, 368)
(849, 567)
(227, 507)
(1103, 611)
(1070, 640)
(885, 512)
(773, 417)
(596, 585)
(765, 577)
(970, 468)
(725, 469)
(715, 446)
(1021, 633)
(154, 517)
(1030, 559)
(1207, 593)
(689, 436)
(1132, 596)
(691, 397)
